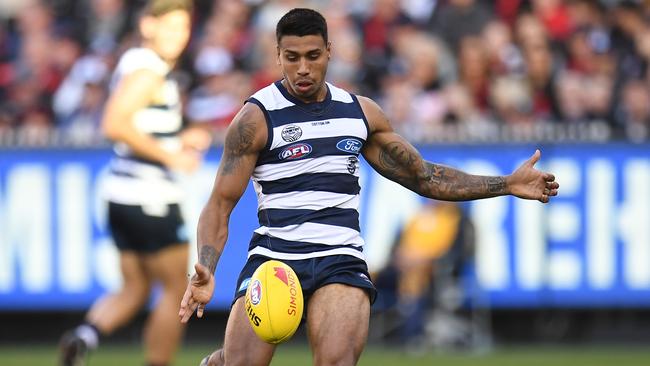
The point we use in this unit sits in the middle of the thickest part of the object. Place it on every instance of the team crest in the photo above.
(291, 133)
(352, 164)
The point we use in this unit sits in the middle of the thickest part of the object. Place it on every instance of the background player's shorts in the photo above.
(142, 230)
(315, 273)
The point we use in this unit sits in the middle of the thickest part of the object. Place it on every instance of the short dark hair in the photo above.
(301, 22)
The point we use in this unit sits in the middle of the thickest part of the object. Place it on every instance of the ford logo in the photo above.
(349, 145)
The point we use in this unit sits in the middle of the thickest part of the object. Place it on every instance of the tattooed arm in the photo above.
(245, 138)
(396, 159)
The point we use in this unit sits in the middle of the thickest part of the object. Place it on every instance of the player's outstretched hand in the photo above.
(530, 183)
(198, 293)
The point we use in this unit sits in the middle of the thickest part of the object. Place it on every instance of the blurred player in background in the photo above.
(299, 139)
(143, 117)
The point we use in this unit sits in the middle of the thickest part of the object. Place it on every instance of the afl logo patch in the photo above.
(256, 292)
(291, 133)
(295, 151)
(349, 145)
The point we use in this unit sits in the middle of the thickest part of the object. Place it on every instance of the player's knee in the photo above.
(137, 291)
(214, 359)
(344, 358)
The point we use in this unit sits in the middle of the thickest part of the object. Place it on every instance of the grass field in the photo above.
(296, 355)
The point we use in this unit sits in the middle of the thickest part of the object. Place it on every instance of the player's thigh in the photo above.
(134, 275)
(241, 345)
(169, 265)
(337, 321)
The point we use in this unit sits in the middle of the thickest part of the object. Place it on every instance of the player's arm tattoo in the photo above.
(404, 165)
(208, 256)
(238, 142)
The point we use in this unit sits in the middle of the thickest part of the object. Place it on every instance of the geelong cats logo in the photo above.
(291, 133)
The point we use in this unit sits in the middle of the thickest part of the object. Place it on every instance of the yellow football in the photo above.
(274, 302)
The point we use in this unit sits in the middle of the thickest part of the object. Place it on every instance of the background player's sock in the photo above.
(89, 334)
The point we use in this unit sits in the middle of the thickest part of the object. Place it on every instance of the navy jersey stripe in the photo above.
(344, 217)
(363, 115)
(165, 134)
(280, 245)
(269, 124)
(297, 114)
(319, 147)
(325, 182)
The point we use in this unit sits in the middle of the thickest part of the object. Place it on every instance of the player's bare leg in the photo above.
(163, 331)
(108, 313)
(116, 309)
(240, 341)
(337, 319)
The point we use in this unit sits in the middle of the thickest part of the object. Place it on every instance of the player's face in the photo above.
(304, 64)
(167, 34)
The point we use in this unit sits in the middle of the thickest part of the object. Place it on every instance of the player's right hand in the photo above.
(198, 293)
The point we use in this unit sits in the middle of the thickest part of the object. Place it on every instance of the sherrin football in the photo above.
(274, 302)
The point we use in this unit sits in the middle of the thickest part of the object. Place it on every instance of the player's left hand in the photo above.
(529, 183)
(198, 293)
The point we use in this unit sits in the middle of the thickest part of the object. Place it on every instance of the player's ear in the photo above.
(148, 27)
(278, 54)
(329, 49)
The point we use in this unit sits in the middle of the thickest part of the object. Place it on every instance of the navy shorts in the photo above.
(135, 229)
(315, 273)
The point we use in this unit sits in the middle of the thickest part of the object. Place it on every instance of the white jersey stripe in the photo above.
(339, 94)
(311, 232)
(324, 164)
(298, 256)
(307, 200)
(272, 98)
(323, 128)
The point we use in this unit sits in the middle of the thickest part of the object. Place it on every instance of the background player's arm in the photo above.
(245, 138)
(396, 159)
(134, 92)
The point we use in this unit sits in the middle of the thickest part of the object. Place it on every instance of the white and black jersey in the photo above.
(307, 177)
(134, 180)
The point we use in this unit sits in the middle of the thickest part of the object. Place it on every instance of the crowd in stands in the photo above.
(429, 63)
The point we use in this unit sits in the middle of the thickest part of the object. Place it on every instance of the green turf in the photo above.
(297, 355)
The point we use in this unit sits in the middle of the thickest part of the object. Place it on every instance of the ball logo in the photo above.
(293, 293)
(281, 274)
(296, 151)
(349, 145)
(291, 133)
(256, 292)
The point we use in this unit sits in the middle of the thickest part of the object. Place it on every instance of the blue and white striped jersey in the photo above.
(307, 177)
(133, 180)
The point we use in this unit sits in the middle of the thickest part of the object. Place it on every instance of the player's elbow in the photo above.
(110, 129)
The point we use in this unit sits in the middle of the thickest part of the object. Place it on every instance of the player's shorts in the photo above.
(139, 229)
(315, 273)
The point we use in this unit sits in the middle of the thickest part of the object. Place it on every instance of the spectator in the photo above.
(459, 19)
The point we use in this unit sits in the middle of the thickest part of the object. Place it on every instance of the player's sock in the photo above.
(89, 334)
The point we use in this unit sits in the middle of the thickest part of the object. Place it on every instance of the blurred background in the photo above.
(475, 84)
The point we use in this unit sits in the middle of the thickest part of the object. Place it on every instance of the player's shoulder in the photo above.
(369, 106)
(340, 94)
(249, 126)
(141, 58)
